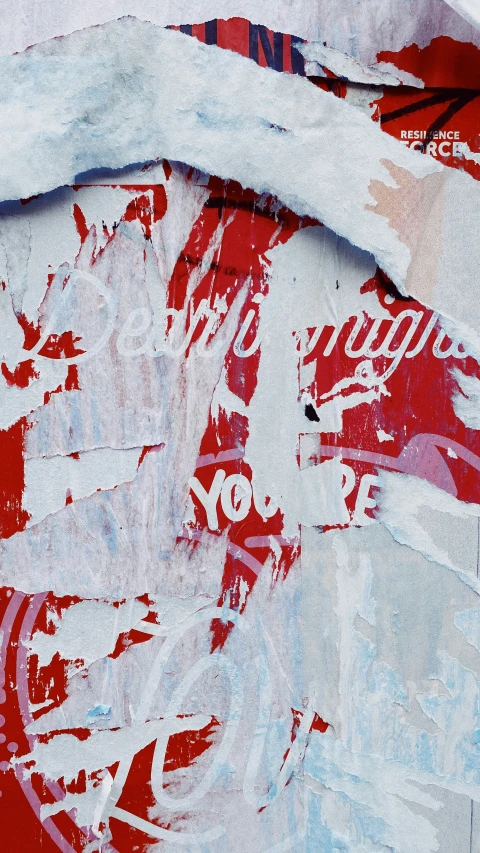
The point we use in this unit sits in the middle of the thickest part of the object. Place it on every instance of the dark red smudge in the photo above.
(184, 748)
(149, 448)
(145, 209)
(127, 639)
(80, 222)
(22, 375)
(318, 725)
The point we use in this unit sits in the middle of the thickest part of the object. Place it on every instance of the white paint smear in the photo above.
(122, 542)
(65, 755)
(172, 610)
(87, 631)
(384, 436)
(88, 805)
(436, 524)
(466, 400)
(50, 482)
(405, 806)
(115, 407)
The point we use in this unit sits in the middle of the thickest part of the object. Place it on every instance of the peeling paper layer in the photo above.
(254, 140)
(344, 66)
(468, 9)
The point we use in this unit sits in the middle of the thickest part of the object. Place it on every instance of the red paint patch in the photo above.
(80, 223)
(22, 375)
(443, 63)
(12, 482)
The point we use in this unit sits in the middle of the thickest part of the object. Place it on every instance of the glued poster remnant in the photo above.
(239, 432)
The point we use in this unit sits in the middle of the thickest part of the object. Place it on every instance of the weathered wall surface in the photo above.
(239, 427)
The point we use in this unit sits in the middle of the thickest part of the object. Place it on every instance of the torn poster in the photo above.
(239, 431)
